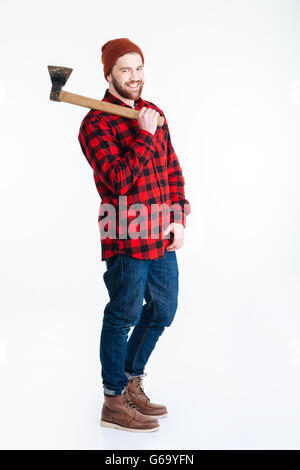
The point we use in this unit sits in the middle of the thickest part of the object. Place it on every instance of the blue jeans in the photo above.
(129, 280)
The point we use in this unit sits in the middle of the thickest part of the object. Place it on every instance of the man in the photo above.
(135, 167)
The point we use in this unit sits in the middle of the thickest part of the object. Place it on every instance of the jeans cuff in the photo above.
(131, 376)
(113, 393)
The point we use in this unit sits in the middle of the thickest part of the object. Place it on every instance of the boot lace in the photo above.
(128, 402)
(140, 386)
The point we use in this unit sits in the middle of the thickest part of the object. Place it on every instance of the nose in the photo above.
(134, 76)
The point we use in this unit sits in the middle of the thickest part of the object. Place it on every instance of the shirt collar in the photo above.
(108, 96)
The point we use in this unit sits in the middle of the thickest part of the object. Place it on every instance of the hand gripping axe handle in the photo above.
(59, 76)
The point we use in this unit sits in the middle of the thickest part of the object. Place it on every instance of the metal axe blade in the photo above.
(59, 76)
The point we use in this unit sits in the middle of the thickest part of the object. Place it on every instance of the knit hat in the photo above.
(113, 49)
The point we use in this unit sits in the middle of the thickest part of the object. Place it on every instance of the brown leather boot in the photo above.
(120, 413)
(138, 397)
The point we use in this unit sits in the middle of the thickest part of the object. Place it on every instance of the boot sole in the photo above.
(107, 424)
(158, 416)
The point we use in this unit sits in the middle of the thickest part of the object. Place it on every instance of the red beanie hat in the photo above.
(113, 49)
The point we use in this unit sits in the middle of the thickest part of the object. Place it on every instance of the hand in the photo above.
(147, 119)
(178, 230)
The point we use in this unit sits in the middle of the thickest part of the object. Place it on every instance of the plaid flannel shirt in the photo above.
(133, 167)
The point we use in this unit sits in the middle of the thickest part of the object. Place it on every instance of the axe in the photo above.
(59, 76)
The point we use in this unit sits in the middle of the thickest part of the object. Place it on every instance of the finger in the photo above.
(171, 249)
(172, 246)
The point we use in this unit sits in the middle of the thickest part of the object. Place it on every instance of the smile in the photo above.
(134, 87)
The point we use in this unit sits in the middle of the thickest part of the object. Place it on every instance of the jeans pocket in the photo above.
(116, 262)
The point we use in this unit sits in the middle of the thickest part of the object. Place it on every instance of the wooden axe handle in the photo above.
(102, 106)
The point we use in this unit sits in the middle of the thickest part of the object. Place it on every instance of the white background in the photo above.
(227, 76)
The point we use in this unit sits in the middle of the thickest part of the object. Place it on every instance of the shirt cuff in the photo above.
(146, 137)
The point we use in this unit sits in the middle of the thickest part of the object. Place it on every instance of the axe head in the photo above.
(59, 76)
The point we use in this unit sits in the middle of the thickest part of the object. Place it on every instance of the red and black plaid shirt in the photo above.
(133, 166)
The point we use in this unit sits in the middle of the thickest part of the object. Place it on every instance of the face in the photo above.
(127, 71)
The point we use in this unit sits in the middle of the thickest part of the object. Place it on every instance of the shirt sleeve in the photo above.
(181, 206)
(115, 168)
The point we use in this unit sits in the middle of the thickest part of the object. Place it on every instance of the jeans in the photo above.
(129, 280)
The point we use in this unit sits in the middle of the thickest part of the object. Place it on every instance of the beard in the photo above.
(125, 92)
